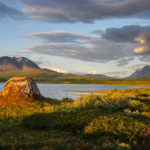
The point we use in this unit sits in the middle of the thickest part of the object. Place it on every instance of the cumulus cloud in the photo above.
(60, 70)
(6, 11)
(131, 34)
(93, 72)
(144, 46)
(86, 11)
(127, 33)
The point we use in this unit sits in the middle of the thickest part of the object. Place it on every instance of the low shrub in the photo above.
(144, 107)
(134, 104)
(88, 101)
(146, 114)
(116, 101)
(118, 125)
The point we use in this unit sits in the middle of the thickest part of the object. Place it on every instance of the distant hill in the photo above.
(20, 67)
(48, 76)
(13, 64)
(142, 73)
(98, 76)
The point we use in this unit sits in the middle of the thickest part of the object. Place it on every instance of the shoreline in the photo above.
(121, 84)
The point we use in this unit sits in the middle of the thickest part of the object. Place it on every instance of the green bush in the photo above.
(118, 125)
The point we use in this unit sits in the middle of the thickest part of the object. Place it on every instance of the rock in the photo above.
(21, 86)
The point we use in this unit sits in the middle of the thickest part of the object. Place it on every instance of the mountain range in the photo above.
(24, 64)
(98, 76)
(13, 66)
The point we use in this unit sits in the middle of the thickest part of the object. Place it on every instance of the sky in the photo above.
(109, 37)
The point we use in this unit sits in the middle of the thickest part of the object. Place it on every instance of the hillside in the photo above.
(98, 76)
(143, 73)
(45, 76)
(13, 64)
(50, 76)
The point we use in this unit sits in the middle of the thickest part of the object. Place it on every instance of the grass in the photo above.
(119, 119)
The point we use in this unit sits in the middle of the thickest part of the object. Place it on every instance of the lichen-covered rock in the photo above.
(21, 86)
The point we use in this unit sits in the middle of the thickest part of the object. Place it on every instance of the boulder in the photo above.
(21, 86)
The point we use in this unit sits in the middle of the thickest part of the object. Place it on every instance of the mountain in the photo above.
(142, 73)
(98, 76)
(20, 67)
(13, 64)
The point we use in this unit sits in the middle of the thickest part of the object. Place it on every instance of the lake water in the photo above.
(60, 91)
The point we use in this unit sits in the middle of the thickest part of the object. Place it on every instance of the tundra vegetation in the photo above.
(116, 120)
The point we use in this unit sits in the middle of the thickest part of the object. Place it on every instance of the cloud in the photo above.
(59, 67)
(60, 37)
(79, 46)
(124, 61)
(127, 33)
(6, 11)
(41, 61)
(117, 74)
(86, 11)
(131, 34)
(145, 58)
(115, 44)
(93, 72)
(144, 46)
(60, 70)
(137, 67)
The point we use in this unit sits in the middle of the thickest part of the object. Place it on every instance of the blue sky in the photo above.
(84, 36)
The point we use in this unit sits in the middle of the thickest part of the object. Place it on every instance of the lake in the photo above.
(60, 91)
